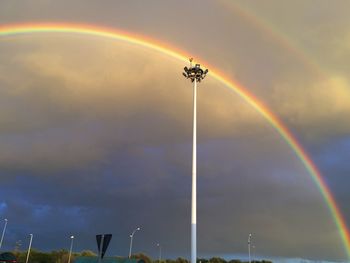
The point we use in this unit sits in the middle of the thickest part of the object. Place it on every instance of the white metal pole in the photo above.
(71, 248)
(195, 74)
(3, 232)
(253, 256)
(194, 178)
(29, 247)
(131, 236)
(160, 252)
(249, 240)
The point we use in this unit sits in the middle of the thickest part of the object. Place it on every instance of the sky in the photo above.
(96, 134)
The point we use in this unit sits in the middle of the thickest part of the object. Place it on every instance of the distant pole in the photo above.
(29, 247)
(249, 241)
(253, 257)
(3, 232)
(131, 237)
(160, 252)
(71, 248)
(18, 245)
(195, 74)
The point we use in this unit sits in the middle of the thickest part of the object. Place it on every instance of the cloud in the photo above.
(316, 108)
(78, 102)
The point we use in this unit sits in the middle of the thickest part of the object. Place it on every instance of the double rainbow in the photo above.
(16, 29)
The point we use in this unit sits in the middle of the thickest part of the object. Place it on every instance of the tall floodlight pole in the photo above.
(71, 248)
(131, 237)
(29, 247)
(195, 74)
(160, 252)
(3, 232)
(249, 241)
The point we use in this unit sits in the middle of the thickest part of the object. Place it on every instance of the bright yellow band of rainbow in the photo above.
(29, 28)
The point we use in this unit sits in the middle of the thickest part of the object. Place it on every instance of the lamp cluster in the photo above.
(194, 72)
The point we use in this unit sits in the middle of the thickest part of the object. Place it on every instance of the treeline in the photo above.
(199, 260)
(61, 256)
(56, 256)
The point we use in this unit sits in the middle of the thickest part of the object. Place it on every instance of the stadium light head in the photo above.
(194, 72)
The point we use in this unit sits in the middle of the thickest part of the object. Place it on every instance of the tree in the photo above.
(40, 257)
(181, 260)
(59, 256)
(217, 260)
(142, 256)
(88, 253)
(202, 260)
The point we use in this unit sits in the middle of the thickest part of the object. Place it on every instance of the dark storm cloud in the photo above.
(334, 170)
(103, 201)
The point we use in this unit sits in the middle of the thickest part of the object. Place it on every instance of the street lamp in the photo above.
(71, 248)
(160, 252)
(195, 74)
(131, 237)
(249, 241)
(3, 232)
(29, 247)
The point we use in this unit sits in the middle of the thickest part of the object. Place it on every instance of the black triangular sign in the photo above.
(104, 239)
(98, 239)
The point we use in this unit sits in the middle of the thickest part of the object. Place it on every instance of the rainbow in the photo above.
(271, 31)
(17, 29)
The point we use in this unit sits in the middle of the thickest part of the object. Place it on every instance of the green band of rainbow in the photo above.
(15, 29)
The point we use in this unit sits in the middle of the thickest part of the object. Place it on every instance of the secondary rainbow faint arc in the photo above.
(270, 31)
(83, 29)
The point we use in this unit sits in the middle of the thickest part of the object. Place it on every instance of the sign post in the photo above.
(102, 245)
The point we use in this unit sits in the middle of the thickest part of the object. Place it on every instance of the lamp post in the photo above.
(195, 74)
(29, 247)
(71, 248)
(131, 237)
(160, 252)
(249, 241)
(3, 232)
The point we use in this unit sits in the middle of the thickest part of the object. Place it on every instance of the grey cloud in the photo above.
(105, 101)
